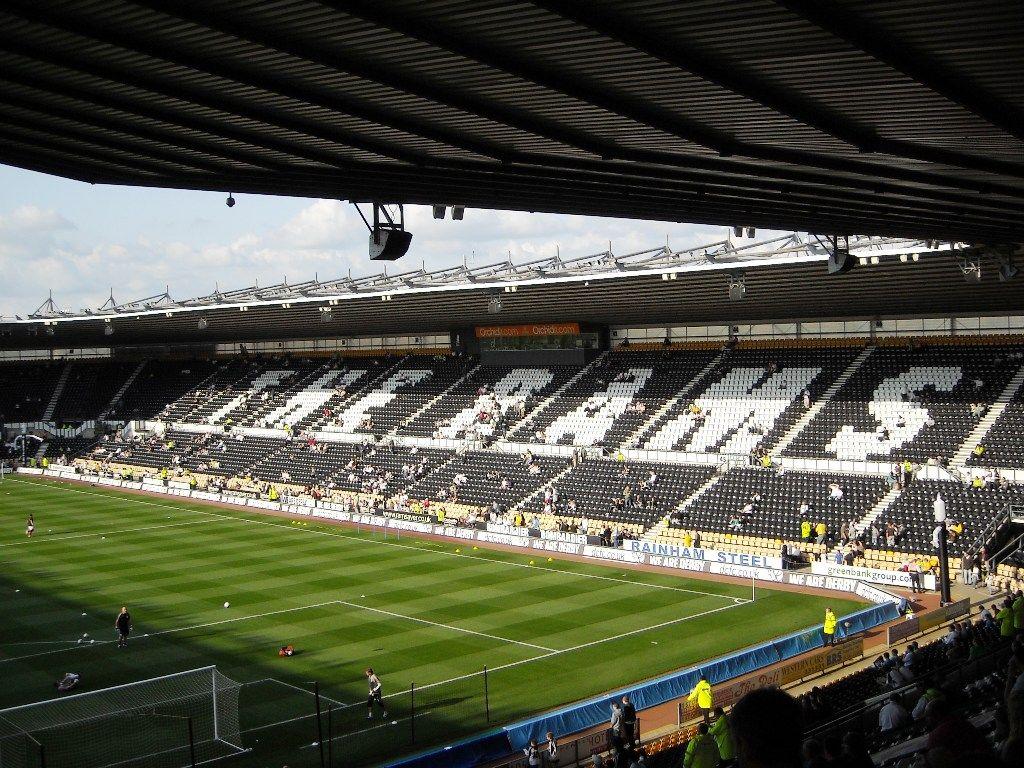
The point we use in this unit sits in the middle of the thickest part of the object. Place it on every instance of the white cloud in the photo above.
(31, 218)
(41, 249)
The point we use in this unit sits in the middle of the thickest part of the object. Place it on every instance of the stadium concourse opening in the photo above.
(757, 496)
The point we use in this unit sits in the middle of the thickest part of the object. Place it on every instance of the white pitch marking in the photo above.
(446, 626)
(579, 647)
(45, 539)
(249, 617)
(340, 535)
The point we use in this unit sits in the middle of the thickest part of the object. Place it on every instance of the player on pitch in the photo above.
(123, 625)
(375, 695)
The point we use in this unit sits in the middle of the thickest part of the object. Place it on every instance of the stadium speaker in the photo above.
(458, 212)
(840, 261)
(737, 288)
(389, 244)
(751, 232)
(108, 330)
(203, 324)
(439, 211)
(737, 231)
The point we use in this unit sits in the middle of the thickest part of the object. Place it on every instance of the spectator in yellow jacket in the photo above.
(1005, 619)
(701, 750)
(722, 733)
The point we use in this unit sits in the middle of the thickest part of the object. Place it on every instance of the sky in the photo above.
(85, 241)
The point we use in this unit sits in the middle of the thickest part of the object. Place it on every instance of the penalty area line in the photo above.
(251, 617)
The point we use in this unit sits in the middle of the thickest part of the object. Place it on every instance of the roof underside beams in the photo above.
(787, 115)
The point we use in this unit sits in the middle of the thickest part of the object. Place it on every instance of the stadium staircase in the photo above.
(189, 416)
(634, 439)
(316, 425)
(521, 504)
(820, 403)
(51, 407)
(660, 529)
(994, 412)
(433, 401)
(124, 388)
(877, 511)
(545, 404)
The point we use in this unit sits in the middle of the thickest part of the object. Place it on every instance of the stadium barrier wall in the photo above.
(581, 716)
(590, 713)
(875, 575)
(915, 625)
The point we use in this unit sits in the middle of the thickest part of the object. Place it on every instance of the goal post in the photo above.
(172, 721)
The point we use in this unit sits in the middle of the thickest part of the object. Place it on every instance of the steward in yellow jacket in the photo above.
(830, 627)
(702, 694)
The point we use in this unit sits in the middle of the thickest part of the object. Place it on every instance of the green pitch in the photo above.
(416, 611)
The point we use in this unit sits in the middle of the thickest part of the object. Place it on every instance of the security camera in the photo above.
(230, 202)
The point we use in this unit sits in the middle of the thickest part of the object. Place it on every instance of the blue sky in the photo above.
(81, 240)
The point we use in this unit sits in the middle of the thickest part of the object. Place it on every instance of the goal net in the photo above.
(173, 721)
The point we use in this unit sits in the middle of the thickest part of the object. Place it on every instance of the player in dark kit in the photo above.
(375, 695)
(123, 625)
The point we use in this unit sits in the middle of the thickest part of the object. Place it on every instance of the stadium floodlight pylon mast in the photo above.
(182, 719)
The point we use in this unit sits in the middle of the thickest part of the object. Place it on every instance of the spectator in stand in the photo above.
(702, 750)
(1005, 619)
(722, 733)
(921, 708)
(615, 723)
(552, 749)
(855, 753)
(805, 530)
(628, 721)
(767, 729)
(820, 530)
(893, 716)
(954, 739)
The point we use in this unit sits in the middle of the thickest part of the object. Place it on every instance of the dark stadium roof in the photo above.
(895, 118)
(785, 280)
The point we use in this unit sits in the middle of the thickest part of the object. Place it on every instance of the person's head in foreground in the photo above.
(767, 728)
